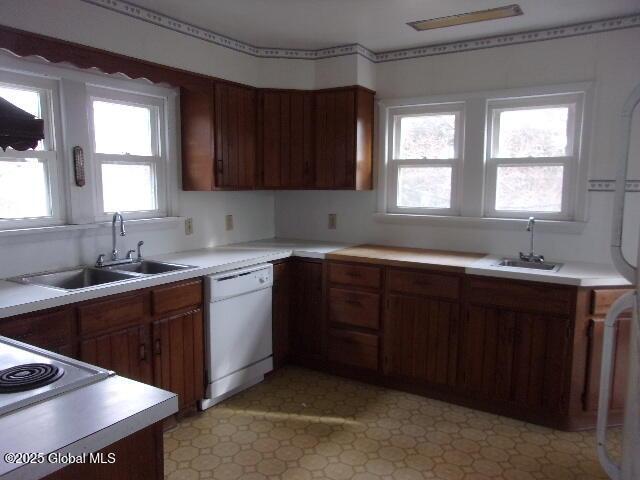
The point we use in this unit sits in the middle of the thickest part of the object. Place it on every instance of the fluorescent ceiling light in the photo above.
(470, 17)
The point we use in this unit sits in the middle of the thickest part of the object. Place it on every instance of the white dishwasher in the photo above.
(237, 331)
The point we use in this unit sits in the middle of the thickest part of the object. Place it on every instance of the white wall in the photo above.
(610, 60)
(253, 211)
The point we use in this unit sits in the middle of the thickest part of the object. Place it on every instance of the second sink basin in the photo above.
(147, 267)
(74, 279)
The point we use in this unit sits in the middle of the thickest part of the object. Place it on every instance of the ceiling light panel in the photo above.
(470, 17)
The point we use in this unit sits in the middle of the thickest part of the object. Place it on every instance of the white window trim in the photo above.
(570, 163)
(157, 160)
(51, 155)
(77, 205)
(395, 163)
(472, 194)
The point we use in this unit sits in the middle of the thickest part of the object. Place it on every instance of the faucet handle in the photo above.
(130, 254)
(140, 244)
(100, 260)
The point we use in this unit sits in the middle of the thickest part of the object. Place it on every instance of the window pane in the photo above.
(121, 129)
(427, 136)
(24, 192)
(128, 188)
(424, 187)
(533, 132)
(27, 100)
(529, 188)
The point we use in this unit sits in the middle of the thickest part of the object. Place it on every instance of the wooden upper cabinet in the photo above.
(196, 113)
(285, 139)
(343, 138)
(235, 136)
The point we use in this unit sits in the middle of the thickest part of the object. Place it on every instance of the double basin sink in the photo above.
(84, 277)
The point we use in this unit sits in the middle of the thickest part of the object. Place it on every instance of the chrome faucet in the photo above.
(114, 252)
(531, 256)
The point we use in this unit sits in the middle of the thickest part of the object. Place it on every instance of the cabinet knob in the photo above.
(143, 351)
(157, 347)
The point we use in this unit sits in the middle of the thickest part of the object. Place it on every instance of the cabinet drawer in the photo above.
(428, 284)
(350, 307)
(527, 296)
(601, 300)
(46, 330)
(119, 312)
(354, 275)
(353, 348)
(174, 297)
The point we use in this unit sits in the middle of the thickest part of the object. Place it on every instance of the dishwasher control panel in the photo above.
(238, 282)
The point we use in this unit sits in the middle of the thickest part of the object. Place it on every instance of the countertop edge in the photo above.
(99, 439)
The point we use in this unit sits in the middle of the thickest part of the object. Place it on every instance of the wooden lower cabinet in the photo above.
(178, 352)
(153, 335)
(127, 352)
(421, 339)
(137, 457)
(281, 314)
(307, 310)
(515, 358)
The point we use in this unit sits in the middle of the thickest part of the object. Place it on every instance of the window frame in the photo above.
(157, 160)
(570, 162)
(395, 163)
(472, 192)
(50, 155)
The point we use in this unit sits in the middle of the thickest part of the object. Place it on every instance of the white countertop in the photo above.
(80, 421)
(580, 274)
(16, 299)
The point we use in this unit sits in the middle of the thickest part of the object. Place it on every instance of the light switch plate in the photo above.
(333, 221)
(228, 222)
(188, 226)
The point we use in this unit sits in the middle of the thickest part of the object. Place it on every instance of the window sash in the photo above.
(569, 174)
(394, 163)
(569, 162)
(48, 96)
(158, 148)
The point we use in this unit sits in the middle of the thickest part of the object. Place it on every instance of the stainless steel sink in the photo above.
(515, 263)
(74, 279)
(147, 267)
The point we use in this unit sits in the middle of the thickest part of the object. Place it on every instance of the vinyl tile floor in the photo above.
(301, 424)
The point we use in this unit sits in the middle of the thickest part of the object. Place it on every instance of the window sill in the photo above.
(553, 226)
(139, 224)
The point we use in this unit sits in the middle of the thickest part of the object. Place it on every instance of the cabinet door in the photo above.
(235, 136)
(196, 120)
(285, 121)
(421, 339)
(307, 310)
(127, 352)
(594, 361)
(51, 330)
(515, 357)
(178, 348)
(281, 312)
(335, 126)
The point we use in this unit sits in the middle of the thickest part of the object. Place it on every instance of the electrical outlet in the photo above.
(228, 222)
(188, 226)
(333, 221)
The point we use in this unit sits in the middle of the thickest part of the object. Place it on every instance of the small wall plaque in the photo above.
(78, 166)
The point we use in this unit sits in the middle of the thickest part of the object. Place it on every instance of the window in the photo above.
(485, 155)
(128, 152)
(29, 179)
(532, 156)
(425, 158)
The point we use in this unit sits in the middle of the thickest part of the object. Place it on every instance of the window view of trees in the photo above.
(424, 187)
(529, 188)
(427, 136)
(533, 132)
